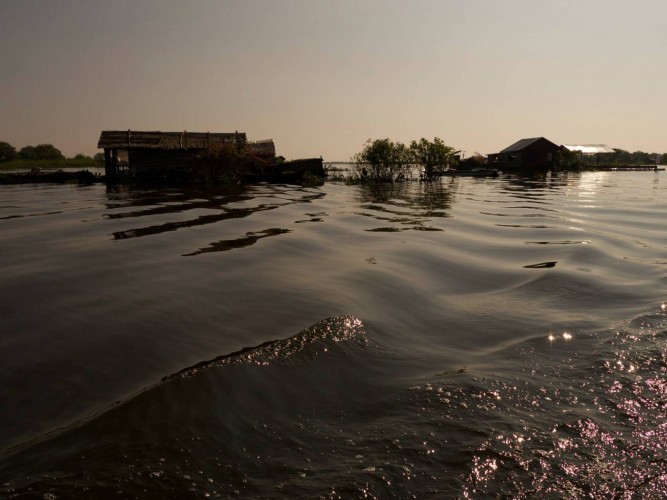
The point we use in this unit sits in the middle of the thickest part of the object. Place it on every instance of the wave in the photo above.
(566, 414)
(323, 333)
(321, 337)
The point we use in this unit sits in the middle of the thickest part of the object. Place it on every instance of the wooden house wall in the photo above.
(160, 162)
(510, 160)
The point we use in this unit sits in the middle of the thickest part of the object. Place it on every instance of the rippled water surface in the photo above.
(468, 338)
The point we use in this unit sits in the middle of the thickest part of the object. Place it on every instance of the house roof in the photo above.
(589, 149)
(166, 140)
(522, 144)
(265, 147)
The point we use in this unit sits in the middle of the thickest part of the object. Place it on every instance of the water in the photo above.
(469, 338)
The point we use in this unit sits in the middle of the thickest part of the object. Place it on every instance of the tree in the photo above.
(28, 153)
(99, 158)
(568, 160)
(7, 152)
(382, 160)
(641, 158)
(477, 160)
(434, 157)
(41, 152)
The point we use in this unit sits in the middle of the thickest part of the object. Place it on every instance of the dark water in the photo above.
(471, 338)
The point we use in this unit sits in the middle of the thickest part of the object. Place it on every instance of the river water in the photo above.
(466, 338)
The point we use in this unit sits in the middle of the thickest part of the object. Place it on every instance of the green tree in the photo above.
(568, 160)
(99, 158)
(41, 152)
(621, 157)
(28, 153)
(477, 160)
(434, 157)
(382, 160)
(641, 158)
(7, 152)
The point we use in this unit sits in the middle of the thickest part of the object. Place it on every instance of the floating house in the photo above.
(138, 154)
(534, 153)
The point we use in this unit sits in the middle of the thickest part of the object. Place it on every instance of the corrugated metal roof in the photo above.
(519, 145)
(589, 149)
(166, 140)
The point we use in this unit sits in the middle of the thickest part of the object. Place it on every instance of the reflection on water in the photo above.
(404, 206)
(247, 240)
(469, 337)
(541, 265)
(567, 242)
(240, 202)
(173, 226)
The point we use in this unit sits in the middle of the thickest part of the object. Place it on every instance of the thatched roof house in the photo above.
(135, 154)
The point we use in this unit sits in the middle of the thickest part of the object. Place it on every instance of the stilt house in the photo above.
(137, 154)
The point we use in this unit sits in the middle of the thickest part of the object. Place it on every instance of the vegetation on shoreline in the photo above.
(622, 157)
(66, 163)
(43, 156)
(572, 160)
(380, 160)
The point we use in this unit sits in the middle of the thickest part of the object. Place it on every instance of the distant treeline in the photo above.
(572, 160)
(622, 157)
(43, 155)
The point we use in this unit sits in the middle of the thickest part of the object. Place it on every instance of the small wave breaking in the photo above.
(331, 330)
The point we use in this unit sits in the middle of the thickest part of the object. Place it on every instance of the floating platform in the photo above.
(654, 168)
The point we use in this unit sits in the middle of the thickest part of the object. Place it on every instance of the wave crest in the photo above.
(328, 331)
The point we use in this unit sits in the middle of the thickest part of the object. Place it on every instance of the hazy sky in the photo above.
(321, 77)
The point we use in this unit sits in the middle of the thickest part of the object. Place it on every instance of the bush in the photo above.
(387, 161)
(382, 160)
(434, 157)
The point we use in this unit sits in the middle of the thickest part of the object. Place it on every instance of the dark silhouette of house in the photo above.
(535, 153)
(139, 154)
(199, 157)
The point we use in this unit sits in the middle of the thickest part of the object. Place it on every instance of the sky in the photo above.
(322, 77)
